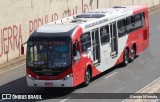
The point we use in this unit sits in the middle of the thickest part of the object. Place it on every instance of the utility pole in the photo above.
(97, 3)
(82, 6)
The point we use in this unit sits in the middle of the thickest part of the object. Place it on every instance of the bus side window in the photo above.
(121, 28)
(104, 33)
(129, 24)
(85, 41)
(138, 21)
(76, 51)
(143, 19)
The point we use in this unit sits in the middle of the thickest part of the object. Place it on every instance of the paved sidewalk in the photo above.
(13, 63)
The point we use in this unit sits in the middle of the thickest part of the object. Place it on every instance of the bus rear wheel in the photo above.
(87, 77)
(126, 57)
(133, 53)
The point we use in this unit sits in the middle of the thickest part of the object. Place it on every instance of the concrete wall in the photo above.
(19, 18)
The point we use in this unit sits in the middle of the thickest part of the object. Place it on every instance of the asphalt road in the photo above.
(129, 79)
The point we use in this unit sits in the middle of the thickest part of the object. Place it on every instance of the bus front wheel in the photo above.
(87, 78)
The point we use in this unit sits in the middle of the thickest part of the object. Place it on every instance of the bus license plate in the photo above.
(48, 84)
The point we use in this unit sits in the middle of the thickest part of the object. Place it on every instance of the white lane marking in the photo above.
(2, 100)
(65, 99)
(110, 75)
(156, 100)
(144, 88)
(12, 68)
(148, 85)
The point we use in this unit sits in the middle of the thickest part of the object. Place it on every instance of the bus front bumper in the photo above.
(50, 83)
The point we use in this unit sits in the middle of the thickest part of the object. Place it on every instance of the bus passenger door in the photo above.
(114, 40)
(95, 48)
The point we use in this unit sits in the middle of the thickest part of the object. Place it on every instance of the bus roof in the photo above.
(55, 28)
(87, 20)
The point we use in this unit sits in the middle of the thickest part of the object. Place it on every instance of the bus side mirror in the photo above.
(22, 50)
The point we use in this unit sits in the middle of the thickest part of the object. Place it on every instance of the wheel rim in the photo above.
(126, 58)
(87, 76)
(133, 53)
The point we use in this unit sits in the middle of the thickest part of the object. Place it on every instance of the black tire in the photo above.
(133, 53)
(87, 77)
(126, 57)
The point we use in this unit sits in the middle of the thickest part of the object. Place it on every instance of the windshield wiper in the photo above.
(41, 65)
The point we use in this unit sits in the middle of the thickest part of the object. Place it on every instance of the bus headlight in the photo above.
(30, 77)
(67, 76)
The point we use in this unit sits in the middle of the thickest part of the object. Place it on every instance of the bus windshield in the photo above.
(54, 53)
